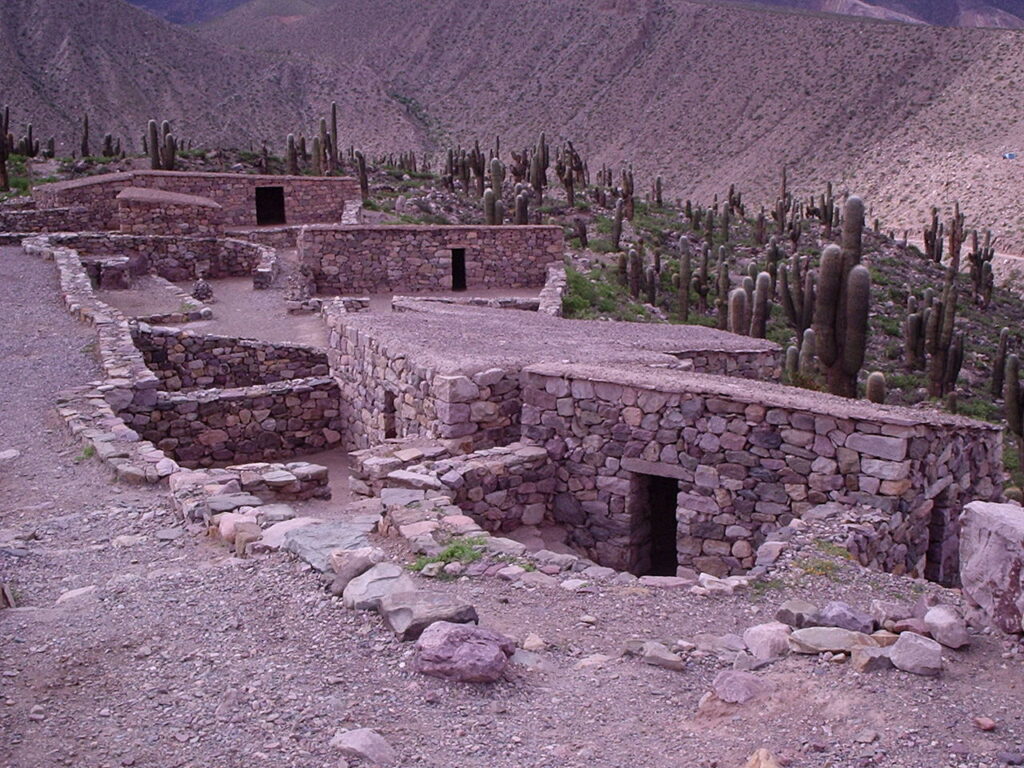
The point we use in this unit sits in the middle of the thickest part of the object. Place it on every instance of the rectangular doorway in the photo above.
(269, 205)
(653, 526)
(390, 416)
(458, 269)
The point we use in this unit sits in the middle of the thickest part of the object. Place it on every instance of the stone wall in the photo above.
(384, 394)
(308, 199)
(249, 424)
(155, 212)
(175, 258)
(184, 360)
(502, 488)
(747, 461)
(359, 259)
(30, 220)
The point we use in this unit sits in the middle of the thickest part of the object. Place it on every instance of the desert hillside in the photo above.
(911, 116)
(122, 66)
(1007, 14)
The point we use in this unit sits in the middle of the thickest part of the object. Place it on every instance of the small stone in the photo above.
(365, 744)
(588, 619)
(534, 643)
(572, 585)
(169, 534)
(867, 659)
(462, 653)
(408, 614)
(75, 594)
(768, 641)
(594, 661)
(984, 723)
(762, 759)
(867, 736)
(10, 454)
(366, 590)
(798, 614)
(657, 655)
(840, 614)
(821, 639)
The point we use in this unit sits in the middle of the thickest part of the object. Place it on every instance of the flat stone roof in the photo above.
(162, 197)
(766, 393)
(456, 339)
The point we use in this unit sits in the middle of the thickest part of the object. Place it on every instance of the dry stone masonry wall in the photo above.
(184, 360)
(746, 462)
(143, 211)
(359, 259)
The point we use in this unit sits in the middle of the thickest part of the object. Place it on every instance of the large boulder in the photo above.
(364, 592)
(768, 641)
(366, 745)
(462, 653)
(947, 626)
(845, 616)
(409, 613)
(992, 561)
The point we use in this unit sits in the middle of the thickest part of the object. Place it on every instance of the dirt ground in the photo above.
(184, 656)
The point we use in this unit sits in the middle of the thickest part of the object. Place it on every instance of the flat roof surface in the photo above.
(461, 339)
(160, 196)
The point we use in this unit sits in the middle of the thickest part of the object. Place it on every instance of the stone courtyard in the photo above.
(579, 457)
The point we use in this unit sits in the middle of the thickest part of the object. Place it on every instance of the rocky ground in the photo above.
(137, 642)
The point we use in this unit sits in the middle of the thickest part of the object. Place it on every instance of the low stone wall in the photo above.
(155, 212)
(554, 290)
(278, 238)
(175, 258)
(230, 426)
(307, 199)
(32, 220)
(746, 461)
(358, 259)
(183, 360)
(500, 488)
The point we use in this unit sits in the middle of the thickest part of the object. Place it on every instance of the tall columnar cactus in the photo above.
(658, 192)
(702, 283)
(522, 209)
(318, 157)
(841, 306)
(169, 152)
(85, 136)
(792, 364)
(153, 145)
(627, 192)
(933, 238)
(761, 306)
(914, 328)
(1013, 404)
(796, 285)
(5, 126)
(808, 354)
(685, 278)
(490, 215)
(332, 144)
(760, 228)
(943, 344)
(293, 156)
(980, 258)
(651, 284)
(620, 210)
(364, 180)
(999, 366)
(736, 321)
(635, 273)
(497, 176)
(723, 283)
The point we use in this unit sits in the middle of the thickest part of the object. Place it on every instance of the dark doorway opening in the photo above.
(270, 205)
(458, 269)
(942, 563)
(654, 526)
(390, 416)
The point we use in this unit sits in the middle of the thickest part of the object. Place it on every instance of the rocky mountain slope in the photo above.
(910, 116)
(1007, 14)
(122, 66)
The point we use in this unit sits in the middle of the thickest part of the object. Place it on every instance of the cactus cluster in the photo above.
(980, 260)
(161, 145)
(1013, 404)
(842, 301)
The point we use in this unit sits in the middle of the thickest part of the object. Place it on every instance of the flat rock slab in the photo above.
(737, 687)
(365, 591)
(273, 537)
(229, 502)
(822, 639)
(408, 614)
(314, 543)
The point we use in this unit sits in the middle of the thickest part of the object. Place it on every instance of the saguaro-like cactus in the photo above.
(685, 278)
(797, 289)
(620, 208)
(1013, 397)
(944, 345)
(153, 145)
(490, 215)
(761, 306)
(5, 125)
(999, 366)
(635, 273)
(293, 156)
(737, 314)
(723, 283)
(841, 306)
(85, 136)
(364, 181)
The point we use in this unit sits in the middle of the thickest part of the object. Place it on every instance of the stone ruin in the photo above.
(652, 445)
